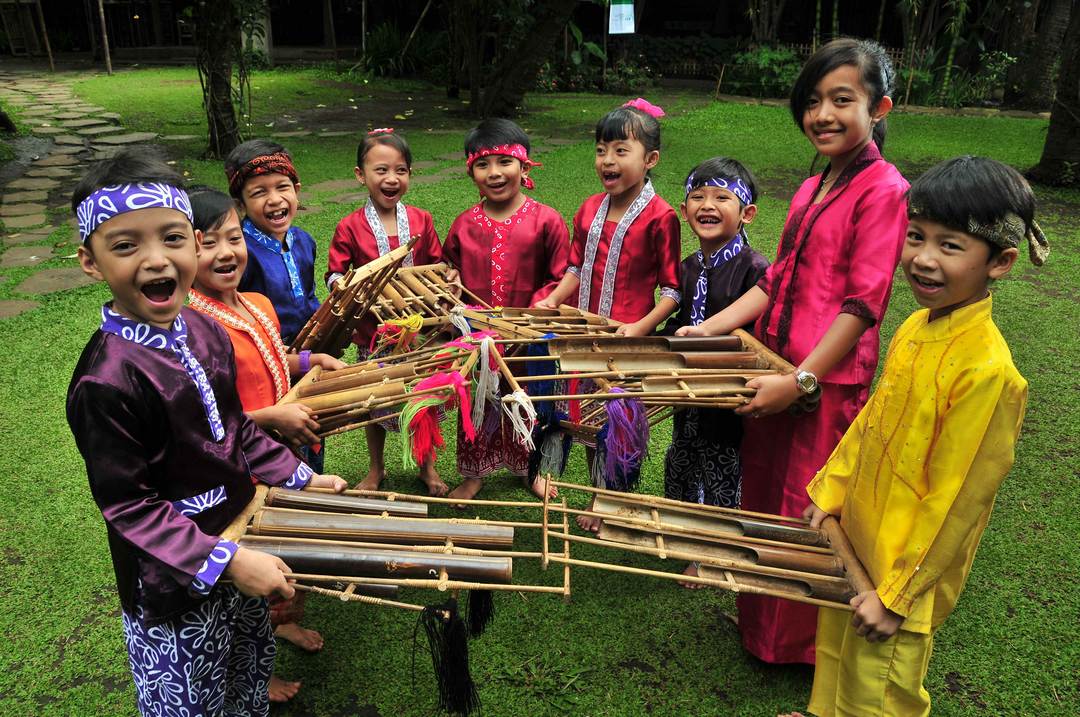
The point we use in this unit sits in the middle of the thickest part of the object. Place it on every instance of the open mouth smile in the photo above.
(225, 270)
(159, 291)
(278, 216)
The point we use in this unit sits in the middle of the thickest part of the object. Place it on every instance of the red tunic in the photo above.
(354, 245)
(650, 258)
(516, 262)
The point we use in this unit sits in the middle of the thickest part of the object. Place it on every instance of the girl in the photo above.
(262, 366)
(384, 166)
(820, 306)
(626, 239)
(508, 250)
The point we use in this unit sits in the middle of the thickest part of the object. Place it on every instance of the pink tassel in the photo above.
(458, 399)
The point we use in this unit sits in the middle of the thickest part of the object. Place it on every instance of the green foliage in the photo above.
(766, 71)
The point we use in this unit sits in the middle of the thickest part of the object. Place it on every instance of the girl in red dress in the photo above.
(819, 306)
(384, 166)
(508, 250)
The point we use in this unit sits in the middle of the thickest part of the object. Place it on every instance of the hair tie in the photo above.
(647, 107)
(381, 130)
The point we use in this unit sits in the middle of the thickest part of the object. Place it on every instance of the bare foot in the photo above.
(588, 523)
(467, 490)
(792, 714)
(303, 638)
(436, 486)
(373, 478)
(692, 569)
(282, 691)
(537, 489)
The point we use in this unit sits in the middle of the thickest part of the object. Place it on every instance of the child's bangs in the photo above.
(620, 125)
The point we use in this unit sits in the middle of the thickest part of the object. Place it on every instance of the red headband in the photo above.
(517, 151)
(276, 163)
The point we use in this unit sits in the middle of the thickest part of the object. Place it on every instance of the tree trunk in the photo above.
(765, 19)
(514, 72)
(1030, 82)
(880, 20)
(1060, 162)
(960, 8)
(217, 43)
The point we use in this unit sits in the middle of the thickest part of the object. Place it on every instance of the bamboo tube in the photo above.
(239, 524)
(358, 379)
(354, 597)
(566, 546)
(359, 424)
(440, 584)
(308, 378)
(442, 548)
(337, 503)
(418, 287)
(361, 394)
(854, 569)
(772, 359)
(640, 395)
(394, 496)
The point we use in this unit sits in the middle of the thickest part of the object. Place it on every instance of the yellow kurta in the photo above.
(914, 477)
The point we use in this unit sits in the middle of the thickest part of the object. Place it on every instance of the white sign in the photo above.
(621, 17)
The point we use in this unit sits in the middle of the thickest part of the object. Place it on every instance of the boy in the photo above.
(702, 462)
(281, 257)
(914, 478)
(169, 453)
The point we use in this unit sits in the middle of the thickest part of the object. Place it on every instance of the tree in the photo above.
(956, 24)
(1037, 30)
(765, 19)
(217, 44)
(1060, 162)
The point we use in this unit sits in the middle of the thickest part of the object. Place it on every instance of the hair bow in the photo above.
(647, 107)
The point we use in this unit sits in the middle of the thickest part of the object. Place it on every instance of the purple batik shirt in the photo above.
(169, 453)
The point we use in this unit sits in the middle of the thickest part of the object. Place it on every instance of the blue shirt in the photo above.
(287, 278)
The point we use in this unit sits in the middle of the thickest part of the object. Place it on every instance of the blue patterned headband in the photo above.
(733, 184)
(105, 203)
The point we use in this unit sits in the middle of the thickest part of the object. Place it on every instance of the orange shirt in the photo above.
(262, 370)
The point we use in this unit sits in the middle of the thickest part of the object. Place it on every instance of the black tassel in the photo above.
(449, 645)
(481, 610)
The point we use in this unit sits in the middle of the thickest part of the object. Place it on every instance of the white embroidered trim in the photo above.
(611, 267)
(382, 241)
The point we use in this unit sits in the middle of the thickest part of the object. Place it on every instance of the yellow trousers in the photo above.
(856, 678)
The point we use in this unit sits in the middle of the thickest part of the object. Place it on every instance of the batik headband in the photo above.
(276, 163)
(517, 151)
(105, 203)
(733, 184)
(1006, 233)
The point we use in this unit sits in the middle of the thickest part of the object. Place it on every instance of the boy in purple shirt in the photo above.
(170, 454)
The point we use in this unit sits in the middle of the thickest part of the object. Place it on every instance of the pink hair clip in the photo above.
(645, 106)
(382, 130)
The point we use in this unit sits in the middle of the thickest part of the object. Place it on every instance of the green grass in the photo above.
(623, 646)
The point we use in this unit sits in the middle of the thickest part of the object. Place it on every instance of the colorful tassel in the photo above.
(422, 435)
(621, 444)
(448, 644)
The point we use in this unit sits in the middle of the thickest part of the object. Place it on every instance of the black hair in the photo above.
(209, 207)
(627, 123)
(390, 139)
(723, 167)
(494, 132)
(875, 67)
(965, 190)
(132, 165)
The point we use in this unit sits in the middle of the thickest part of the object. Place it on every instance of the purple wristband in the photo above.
(305, 361)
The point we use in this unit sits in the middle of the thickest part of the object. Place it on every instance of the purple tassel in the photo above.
(627, 436)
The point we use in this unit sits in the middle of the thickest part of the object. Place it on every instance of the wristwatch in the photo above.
(806, 381)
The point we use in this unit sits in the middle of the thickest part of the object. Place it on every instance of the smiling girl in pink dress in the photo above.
(820, 306)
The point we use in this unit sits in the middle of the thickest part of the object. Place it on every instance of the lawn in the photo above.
(623, 645)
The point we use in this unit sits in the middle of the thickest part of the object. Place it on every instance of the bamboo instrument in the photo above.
(338, 503)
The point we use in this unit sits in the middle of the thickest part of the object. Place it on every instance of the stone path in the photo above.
(35, 202)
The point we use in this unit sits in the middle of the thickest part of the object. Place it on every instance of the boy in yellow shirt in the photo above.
(914, 478)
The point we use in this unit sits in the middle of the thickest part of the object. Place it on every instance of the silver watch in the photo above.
(806, 381)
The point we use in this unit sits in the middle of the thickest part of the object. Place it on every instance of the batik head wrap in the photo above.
(275, 163)
(1007, 233)
(107, 202)
(517, 151)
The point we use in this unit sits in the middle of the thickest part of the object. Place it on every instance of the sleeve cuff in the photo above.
(300, 477)
(763, 284)
(858, 307)
(830, 501)
(330, 280)
(575, 270)
(673, 294)
(894, 599)
(213, 567)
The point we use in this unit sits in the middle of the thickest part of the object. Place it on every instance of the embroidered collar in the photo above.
(701, 287)
(611, 267)
(268, 242)
(957, 322)
(382, 241)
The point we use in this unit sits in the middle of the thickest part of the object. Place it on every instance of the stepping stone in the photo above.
(30, 236)
(451, 155)
(333, 185)
(562, 141)
(34, 183)
(50, 280)
(128, 138)
(109, 115)
(56, 172)
(68, 149)
(25, 221)
(307, 211)
(453, 169)
(88, 122)
(69, 116)
(34, 196)
(18, 210)
(425, 164)
(14, 307)
(98, 130)
(350, 198)
(293, 133)
(69, 139)
(179, 137)
(43, 111)
(47, 130)
(56, 160)
(101, 153)
(428, 178)
(334, 133)
(25, 256)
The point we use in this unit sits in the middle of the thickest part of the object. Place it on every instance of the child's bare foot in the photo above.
(792, 714)
(692, 570)
(282, 691)
(303, 638)
(467, 490)
(436, 486)
(589, 523)
(373, 478)
(537, 489)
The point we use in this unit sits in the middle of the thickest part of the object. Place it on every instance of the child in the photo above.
(281, 257)
(819, 306)
(169, 453)
(702, 462)
(384, 166)
(263, 368)
(626, 239)
(509, 250)
(914, 478)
